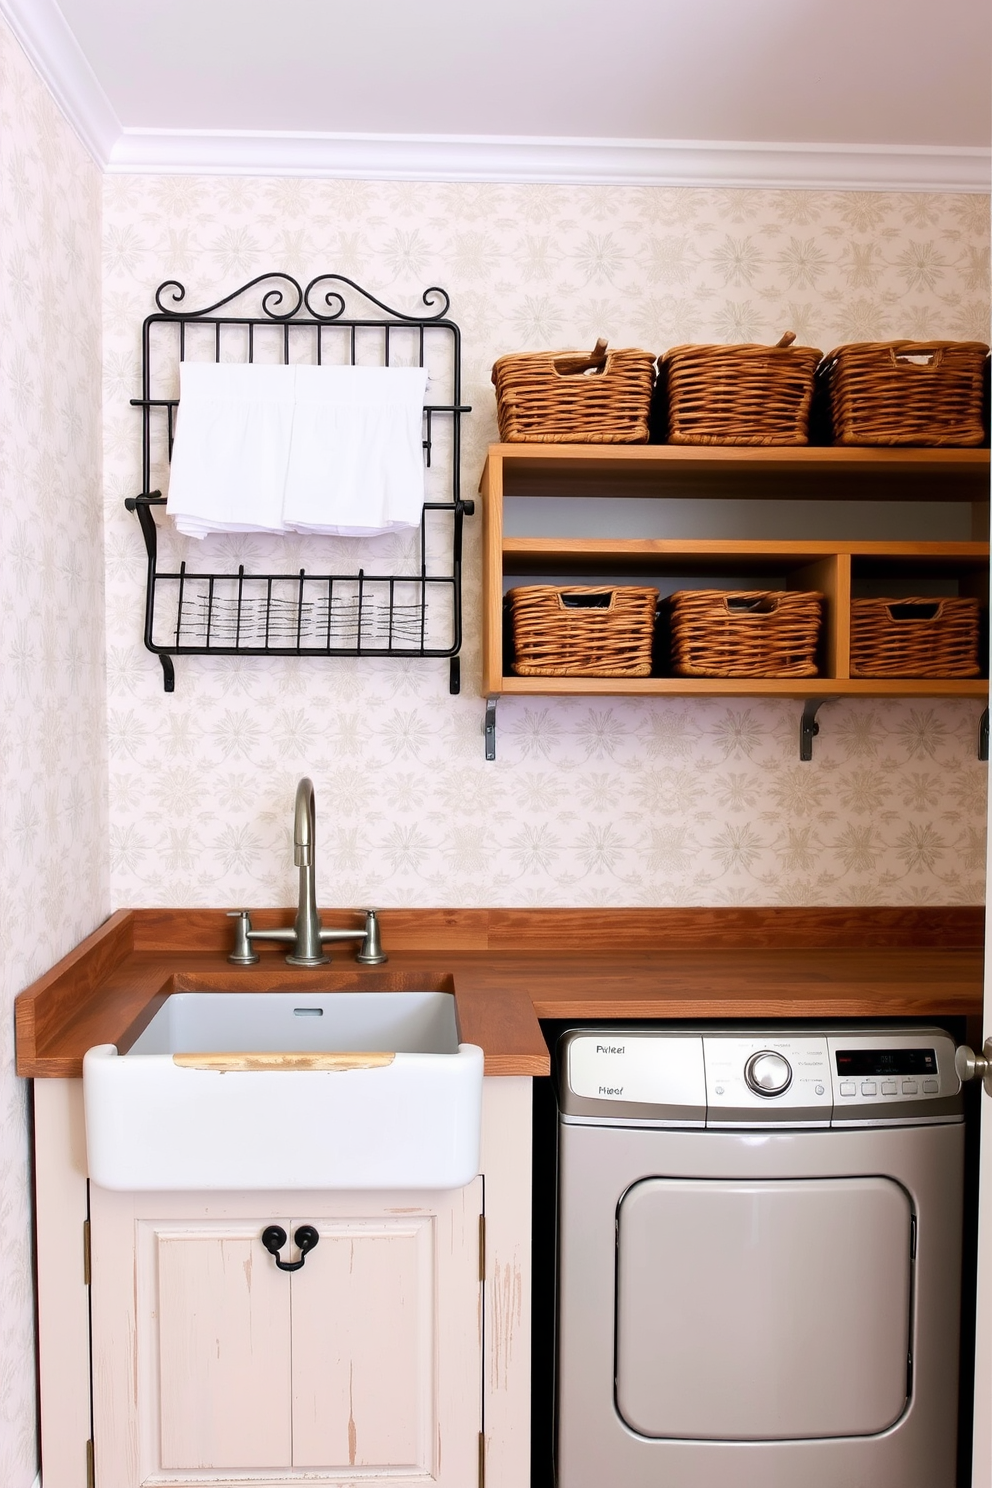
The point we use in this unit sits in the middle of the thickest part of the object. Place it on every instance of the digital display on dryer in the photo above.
(854, 1062)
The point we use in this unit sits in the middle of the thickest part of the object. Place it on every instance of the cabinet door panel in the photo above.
(211, 1367)
(224, 1352)
(364, 1346)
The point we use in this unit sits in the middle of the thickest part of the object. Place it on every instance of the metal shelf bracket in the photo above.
(808, 726)
(489, 728)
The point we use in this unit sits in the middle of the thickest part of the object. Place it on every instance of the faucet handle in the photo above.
(370, 952)
(242, 954)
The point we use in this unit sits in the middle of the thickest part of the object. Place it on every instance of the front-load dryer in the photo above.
(759, 1258)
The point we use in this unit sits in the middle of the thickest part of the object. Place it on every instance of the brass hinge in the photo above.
(482, 1459)
(482, 1247)
(90, 1471)
(86, 1252)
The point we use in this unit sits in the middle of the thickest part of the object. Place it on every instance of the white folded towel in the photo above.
(300, 448)
(356, 463)
(232, 446)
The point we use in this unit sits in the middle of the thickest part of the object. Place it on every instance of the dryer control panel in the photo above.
(761, 1077)
(889, 1074)
(755, 1077)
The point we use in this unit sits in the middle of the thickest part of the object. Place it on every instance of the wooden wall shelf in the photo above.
(837, 568)
(826, 473)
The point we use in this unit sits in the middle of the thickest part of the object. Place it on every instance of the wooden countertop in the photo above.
(510, 968)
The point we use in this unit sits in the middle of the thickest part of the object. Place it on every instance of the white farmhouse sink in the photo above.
(273, 1090)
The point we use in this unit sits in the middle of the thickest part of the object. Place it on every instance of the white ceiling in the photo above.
(156, 82)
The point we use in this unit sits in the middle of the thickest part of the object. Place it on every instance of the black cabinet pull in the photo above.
(274, 1238)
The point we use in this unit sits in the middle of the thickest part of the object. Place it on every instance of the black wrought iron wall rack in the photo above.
(193, 610)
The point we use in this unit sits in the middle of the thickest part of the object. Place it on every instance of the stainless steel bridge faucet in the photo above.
(307, 936)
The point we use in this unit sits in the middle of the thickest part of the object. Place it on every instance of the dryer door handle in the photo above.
(972, 1066)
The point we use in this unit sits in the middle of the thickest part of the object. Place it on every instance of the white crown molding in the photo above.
(566, 161)
(53, 50)
(43, 32)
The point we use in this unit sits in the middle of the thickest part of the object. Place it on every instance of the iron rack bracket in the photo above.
(489, 727)
(983, 736)
(808, 726)
(416, 612)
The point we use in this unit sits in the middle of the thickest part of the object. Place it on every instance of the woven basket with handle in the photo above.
(582, 630)
(739, 394)
(574, 397)
(906, 392)
(914, 638)
(744, 633)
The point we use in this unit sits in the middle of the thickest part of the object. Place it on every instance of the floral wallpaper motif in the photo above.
(53, 873)
(607, 801)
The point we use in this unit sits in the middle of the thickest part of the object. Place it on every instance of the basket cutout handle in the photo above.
(915, 609)
(602, 601)
(572, 365)
(739, 604)
(917, 361)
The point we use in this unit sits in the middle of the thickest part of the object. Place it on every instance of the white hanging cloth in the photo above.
(303, 448)
(356, 463)
(231, 450)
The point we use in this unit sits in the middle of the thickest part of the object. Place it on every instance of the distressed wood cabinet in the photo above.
(212, 1364)
(178, 1354)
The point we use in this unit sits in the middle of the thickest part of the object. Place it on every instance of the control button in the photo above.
(718, 1090)
(848, 1087)
(868, 1087)
(888, 1087)
(818, 1089)
(930, 1087)
(768, 1073)
(910, 1087)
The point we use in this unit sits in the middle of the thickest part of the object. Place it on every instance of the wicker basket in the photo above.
(581, 631)
(914, 638)
(906, 392)
(744, 633)
(574, 397)
(739, 394)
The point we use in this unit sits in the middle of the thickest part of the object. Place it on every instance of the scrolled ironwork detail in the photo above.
(271, 299)
(335, 303)
(177, 298)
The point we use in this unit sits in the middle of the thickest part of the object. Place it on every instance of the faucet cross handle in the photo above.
(370, 952)
(242, 954)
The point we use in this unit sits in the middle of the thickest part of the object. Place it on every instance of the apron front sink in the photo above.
(287, 1090)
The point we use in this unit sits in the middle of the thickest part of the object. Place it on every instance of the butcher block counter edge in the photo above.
(510, 967)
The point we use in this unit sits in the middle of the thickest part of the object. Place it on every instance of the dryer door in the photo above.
(763, 1310)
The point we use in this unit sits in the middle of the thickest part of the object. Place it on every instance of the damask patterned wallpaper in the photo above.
(609, 801)
(53, 822)
(604, 802)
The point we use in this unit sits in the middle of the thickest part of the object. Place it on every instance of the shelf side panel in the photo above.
(832, 577)
(491, 489)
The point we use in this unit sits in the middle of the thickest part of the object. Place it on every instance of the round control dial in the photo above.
(768, 1073)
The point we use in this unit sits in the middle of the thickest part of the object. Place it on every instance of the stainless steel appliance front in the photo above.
(759, 1258)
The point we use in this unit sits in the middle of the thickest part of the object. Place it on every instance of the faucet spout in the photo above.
(304, 825)
(308, 950)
